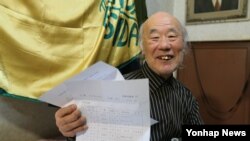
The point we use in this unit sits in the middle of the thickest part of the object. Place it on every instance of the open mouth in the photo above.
(167, 57)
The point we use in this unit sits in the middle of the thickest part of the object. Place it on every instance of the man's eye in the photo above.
(155, 38)
(172, 37)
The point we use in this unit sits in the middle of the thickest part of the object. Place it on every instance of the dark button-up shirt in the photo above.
(171, 103)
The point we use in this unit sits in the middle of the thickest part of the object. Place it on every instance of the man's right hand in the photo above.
(70, 121)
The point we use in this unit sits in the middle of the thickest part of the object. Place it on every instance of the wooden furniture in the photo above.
(218, 74)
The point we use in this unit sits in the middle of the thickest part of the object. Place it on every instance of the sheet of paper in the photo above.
(99, 71)
(117, 110)
(61, 94)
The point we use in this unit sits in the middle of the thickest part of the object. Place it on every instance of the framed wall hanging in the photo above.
(199, 11)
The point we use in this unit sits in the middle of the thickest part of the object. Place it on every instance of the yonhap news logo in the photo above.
(215, 132)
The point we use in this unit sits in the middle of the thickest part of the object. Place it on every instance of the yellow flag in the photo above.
(43, 43)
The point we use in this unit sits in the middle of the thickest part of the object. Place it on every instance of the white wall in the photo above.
(159, 5)
(227, 31)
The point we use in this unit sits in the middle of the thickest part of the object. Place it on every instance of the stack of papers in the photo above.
(116, 109)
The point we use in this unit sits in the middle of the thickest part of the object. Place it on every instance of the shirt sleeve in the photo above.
(193, 116)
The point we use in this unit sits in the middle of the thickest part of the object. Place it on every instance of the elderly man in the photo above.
(163, 43)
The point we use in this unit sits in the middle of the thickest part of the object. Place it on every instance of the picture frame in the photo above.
(195, 13)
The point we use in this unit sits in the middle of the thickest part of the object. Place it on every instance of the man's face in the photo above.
(163, 44)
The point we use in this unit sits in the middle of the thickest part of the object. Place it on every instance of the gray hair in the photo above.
(140, 35)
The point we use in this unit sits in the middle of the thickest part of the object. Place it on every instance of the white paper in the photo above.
(119, 111)
(99, 71)
(115, 110)
(62, 94)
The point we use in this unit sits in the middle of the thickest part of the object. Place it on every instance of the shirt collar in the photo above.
(155, 81)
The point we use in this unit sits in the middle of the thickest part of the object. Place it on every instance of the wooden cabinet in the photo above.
(218, 74)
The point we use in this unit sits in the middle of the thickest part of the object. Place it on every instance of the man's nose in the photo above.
(165, 43)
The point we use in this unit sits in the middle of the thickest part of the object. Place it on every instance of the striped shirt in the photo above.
(171, 103)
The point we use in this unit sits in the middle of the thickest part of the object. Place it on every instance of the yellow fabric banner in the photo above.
(44, 42)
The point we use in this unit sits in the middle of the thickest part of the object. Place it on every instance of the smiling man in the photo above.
(163, 41)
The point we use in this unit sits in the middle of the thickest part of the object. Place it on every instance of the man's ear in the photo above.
(142, 50)
(143, 53)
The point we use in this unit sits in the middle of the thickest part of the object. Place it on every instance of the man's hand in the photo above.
(70, 121)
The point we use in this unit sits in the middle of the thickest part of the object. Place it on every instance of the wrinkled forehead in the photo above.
(162, 21)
